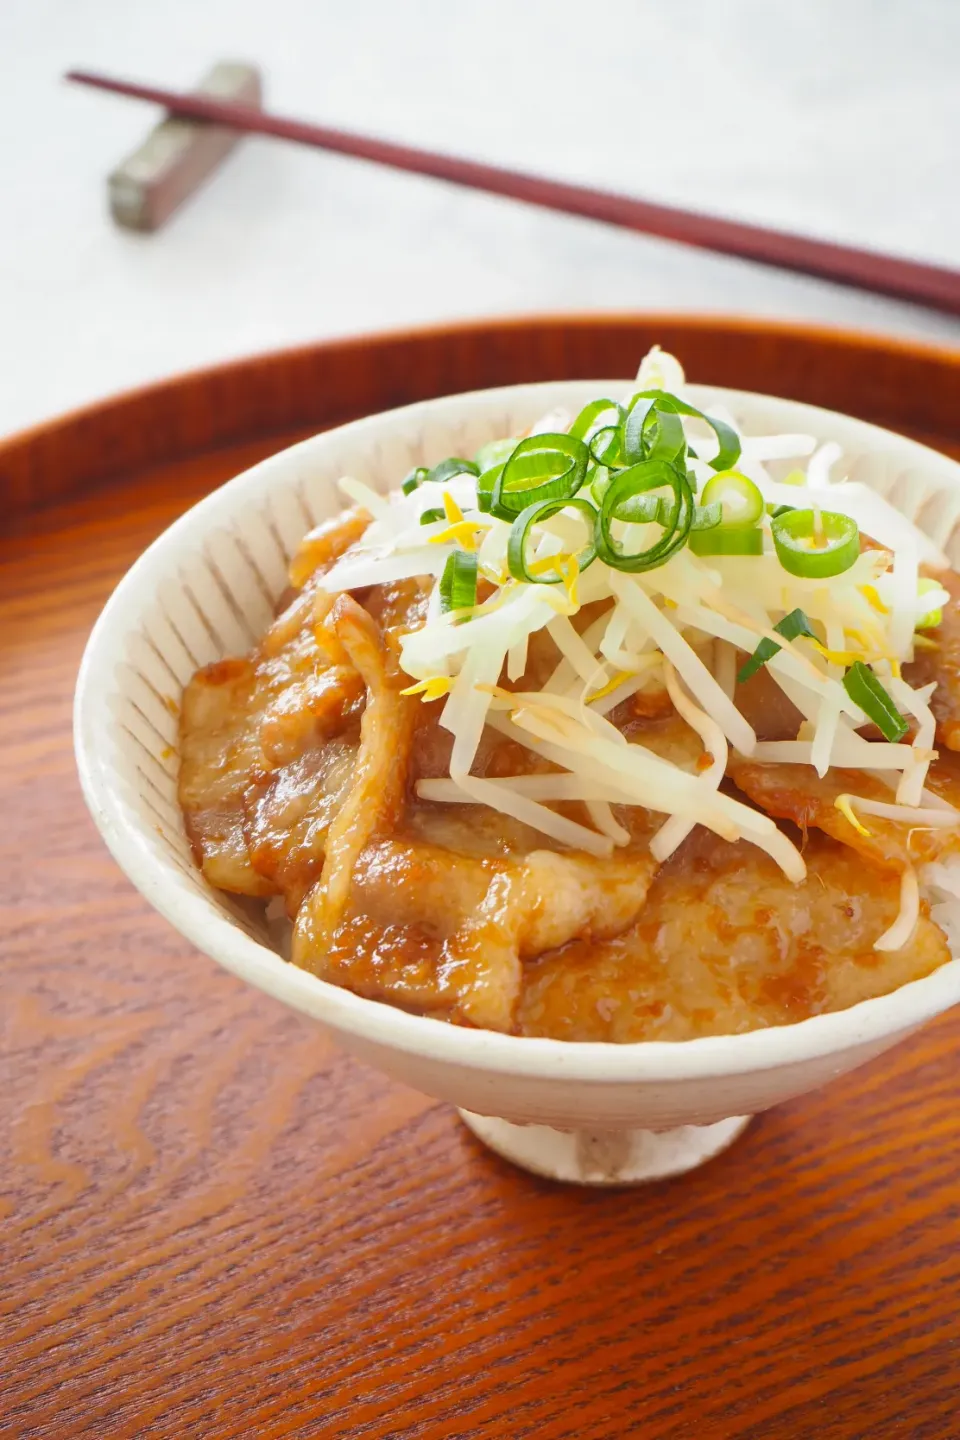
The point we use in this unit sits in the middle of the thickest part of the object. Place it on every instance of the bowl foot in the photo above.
(610, 1157)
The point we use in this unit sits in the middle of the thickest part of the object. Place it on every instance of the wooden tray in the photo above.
(213, 1224)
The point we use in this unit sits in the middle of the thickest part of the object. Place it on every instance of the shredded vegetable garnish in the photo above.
(432, 689)
(906, 922)
(699, 568)
(844, 803)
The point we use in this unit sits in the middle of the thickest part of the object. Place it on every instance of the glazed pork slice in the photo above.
(942, 664)
(797, 793)
(431, 929)
(434, 907)
(288, 812)
(242, 720)
(725, 944)
(219, 752)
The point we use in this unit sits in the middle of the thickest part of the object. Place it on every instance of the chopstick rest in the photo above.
(179, 155)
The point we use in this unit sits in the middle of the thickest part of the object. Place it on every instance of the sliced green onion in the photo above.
(638, 480)
(815, 551)
(447, 469)
(414, 479)
(428, 516)
(865, 690)
(727, 540)
(705, 517)
(542, 467)
(727, 438)
(606, 446)
(643, 509)
(790, 627)
(458, 583)
(740, 499)
(599, 426)
(495, 452)
(646, 509)
(599, 479)
(651, 433)
(535, 514)
(486, 485)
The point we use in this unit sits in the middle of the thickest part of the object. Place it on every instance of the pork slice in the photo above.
(219, 752)
(289, 812)
(429, 929)
(243, 719)
(798, 793)
(725, 943)
(374, 801)
(323, 545)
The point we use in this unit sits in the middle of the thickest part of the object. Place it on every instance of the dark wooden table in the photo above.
(213, 1224)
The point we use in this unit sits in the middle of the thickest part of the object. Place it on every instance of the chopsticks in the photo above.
(933, 286)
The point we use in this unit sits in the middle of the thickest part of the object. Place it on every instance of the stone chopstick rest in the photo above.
(179, 155)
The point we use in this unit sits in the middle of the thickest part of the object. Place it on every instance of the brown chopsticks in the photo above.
(933, 286)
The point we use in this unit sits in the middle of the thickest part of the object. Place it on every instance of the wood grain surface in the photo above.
(213, 1224)
(913, 388)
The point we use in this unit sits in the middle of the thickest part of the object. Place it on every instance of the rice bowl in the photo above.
(654, 1084)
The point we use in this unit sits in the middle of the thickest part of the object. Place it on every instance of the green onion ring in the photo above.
(865, 690)
(727, 438)
(587, 427)
(495, 452)
(607, 451)
(427, 517)
(486, 484)
(599, 480)
(458, 583)
(727, 540)
(638, 479)
(742, 502)
(450, 467)
(644, 509)
(794, 535)
(585, 424)
(650, 433)
(533, 515)
(542, 467)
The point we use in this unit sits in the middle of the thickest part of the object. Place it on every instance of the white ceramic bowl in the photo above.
(590, 1112)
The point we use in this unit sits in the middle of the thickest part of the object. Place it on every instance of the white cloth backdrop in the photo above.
(838, 117)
